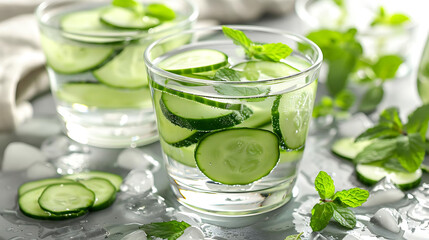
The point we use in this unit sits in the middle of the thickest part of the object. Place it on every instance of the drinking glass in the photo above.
(423, 75)
(213, 164)
(97, 73)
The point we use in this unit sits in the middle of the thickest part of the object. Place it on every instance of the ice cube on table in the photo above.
(190, 218)
(138, 182)
(19, 156)
(192, 233)
(134, 158)
(350, 237)
(382, 193)
(136, 235)
(388, 219)
(146, 207)
(41, 170)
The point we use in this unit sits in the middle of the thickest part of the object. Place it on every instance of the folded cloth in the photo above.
(22, 74)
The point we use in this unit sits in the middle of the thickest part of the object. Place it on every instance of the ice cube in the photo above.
(39, 127)
(355, 125)
(19, 156)
(136, 235)
(382, 193)
(350, 237)
(388, 219)
(146, 207)
(41, 170)
(190, 218)
(60, 145)
(72, 163)
(192, 233)
(134, 158)
(138, 182)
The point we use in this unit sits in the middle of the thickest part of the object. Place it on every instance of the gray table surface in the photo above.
(275, 225)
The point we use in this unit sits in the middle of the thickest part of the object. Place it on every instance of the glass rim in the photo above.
(131, 33)
(317, 63)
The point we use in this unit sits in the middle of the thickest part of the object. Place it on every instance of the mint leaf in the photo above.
(345, 99)
(324, 107)
(294, 237)
(171, 230)
(379, 131)
(418, 121)
(354, 197)
(130, 4)
(339, 3)
(270, 52)
(344, 216)
(321, 214)
(390, 118)
(227, 74)
(384, 18)
(410, 151)
(398, 19)
(160, 11)
(324, 185)
(371, 99)
(387, 66)
(238, 37)
(229, 90)
(379, 150)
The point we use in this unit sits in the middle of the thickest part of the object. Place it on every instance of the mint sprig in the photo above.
(268, 52)
(171, 230)
(395, 19)
(395, 141)
(337, 107)
(335, 205)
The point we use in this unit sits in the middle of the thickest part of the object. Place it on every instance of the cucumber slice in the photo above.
(195, 61)
(347, 147)
(370, 174)
(126, 70)
(66, 197)
(172, 134)
(105, 192)
(261, 114)
(196, 116)
(115, 179)
(124, 18)
(183, 155)
(70, 59)
(290, 156)
(40, 183)
(29, 205)
(291, 114)
(260, 70)
(101, 96)
(237, 156)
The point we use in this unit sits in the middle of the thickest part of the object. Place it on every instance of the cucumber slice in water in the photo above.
(124, 18)
(126, 70)
(101, 96)
(202, 117)
(70, 59)
(115, 179)
(291, 114)
(370, 174)
(347, 147)
(29, 205)
(195, 61)
(183, 155)
(237, 156)
(105, 192)
(40, 183)
(66, 197)
(260, 70)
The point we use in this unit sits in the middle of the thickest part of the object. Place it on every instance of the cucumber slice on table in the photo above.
(101, 96)
(347, 147)
(105, 192)
(29, 205)
(115, 179)
(202, 117)
(124, 18)
(69, 59)
(195, 61)
(66, 197)
(126, 70)
(291, 114)
(237, 156)
(259, 70)
(40, 183)
(370, 174)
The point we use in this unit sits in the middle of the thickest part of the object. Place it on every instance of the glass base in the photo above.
(233, 204)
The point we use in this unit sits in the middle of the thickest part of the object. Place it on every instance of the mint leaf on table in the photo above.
(418, 121)
(269, 52)
(379, 150)
(324, 185)
(294, 237)
(171, 230)
(410, 151)
(371, 99)
(378, 131)
(160, 11)
(227, 74)
(334, 205)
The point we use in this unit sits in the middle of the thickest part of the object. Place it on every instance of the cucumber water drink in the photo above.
(423, 75)
(94, 54)
(232, 128)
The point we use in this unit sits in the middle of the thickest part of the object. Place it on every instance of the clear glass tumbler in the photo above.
(423, 74)
(97, 72)
(233, 175)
